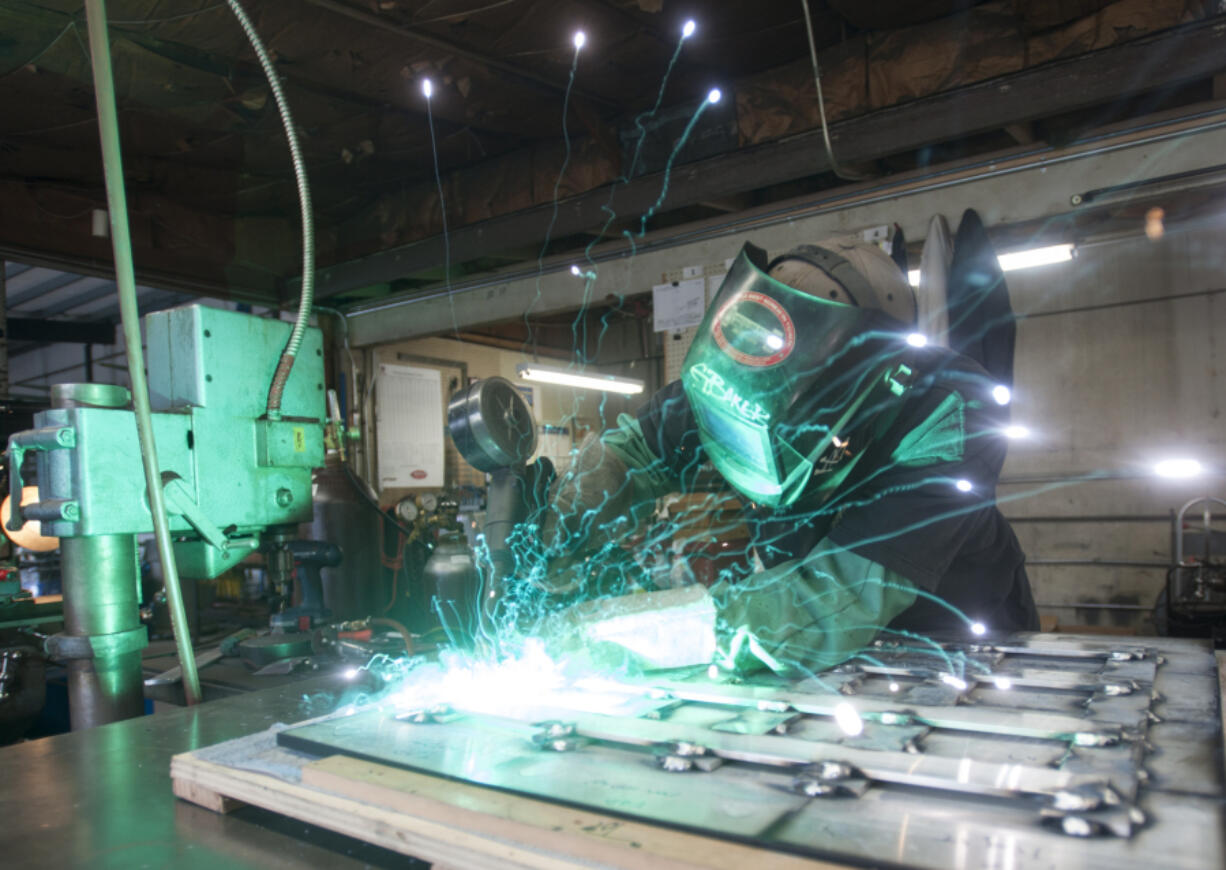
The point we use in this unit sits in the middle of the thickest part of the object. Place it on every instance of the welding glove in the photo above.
(606, 495)
(807, 614)
(669, 628)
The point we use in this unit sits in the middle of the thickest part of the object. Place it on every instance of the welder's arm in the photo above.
(607, 493)
(807, 614)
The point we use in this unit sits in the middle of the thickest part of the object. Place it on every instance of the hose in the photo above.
(399, 627)
(842, 173)
(286, 363)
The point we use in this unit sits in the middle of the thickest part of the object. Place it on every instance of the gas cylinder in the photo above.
(450, 576)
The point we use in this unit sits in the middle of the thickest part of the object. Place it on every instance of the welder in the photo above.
(865, 457)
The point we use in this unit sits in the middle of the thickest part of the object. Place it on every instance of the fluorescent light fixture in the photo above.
(564, 378)
(1178, 468)
(1001, 394)
(913, 277)
(1035, 257)
(1017, 432)
(917, 339)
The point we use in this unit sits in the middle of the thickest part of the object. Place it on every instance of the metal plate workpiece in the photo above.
(1083, 772)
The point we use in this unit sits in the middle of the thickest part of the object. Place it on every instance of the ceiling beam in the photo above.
(59, 331)
(1172, 57)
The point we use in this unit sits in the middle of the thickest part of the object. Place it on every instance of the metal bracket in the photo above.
(47, 438)
(67, 647)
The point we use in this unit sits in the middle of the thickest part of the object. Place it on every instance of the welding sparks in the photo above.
(848, 719)
(957, 682)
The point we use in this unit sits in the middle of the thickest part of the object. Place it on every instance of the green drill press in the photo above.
(230, 474)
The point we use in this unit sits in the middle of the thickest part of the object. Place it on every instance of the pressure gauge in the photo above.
(406, 509)
(429, 502)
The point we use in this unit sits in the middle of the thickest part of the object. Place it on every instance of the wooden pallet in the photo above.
(457, 825)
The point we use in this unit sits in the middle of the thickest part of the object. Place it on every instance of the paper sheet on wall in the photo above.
(679, 305)
(409, 426)
(678, 344)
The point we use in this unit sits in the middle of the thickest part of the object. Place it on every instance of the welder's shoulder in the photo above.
(951, 413)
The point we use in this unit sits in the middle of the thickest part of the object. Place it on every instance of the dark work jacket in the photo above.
(900, 505)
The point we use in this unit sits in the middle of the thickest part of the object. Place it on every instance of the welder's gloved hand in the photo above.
(807, 614)
(606, 495)
(670, 628)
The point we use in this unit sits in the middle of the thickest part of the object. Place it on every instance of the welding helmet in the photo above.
(793, 363)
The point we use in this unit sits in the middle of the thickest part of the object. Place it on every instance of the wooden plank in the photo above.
(1221, 695)
(203, 797)
(582, 834)
(1173, 56)
(458, 825)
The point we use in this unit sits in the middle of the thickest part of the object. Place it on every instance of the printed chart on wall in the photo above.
(409, 426)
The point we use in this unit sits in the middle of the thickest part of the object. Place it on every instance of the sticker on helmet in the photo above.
(754, 329)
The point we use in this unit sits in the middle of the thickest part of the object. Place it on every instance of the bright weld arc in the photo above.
(963, 485)
(579, 39)
(848, 719)
(427, 88)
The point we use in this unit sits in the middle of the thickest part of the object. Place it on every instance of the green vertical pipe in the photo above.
(100, 598)
(125, 278)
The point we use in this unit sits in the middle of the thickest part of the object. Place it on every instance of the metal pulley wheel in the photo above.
(492, 425)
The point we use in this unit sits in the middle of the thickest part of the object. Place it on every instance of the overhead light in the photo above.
(1178, 468)
(564, 378)
(1035, 257)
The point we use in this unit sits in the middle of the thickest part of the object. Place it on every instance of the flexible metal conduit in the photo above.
(125, 279)
(286, 364)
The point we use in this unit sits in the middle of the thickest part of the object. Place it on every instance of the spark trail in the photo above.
(427, 90)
